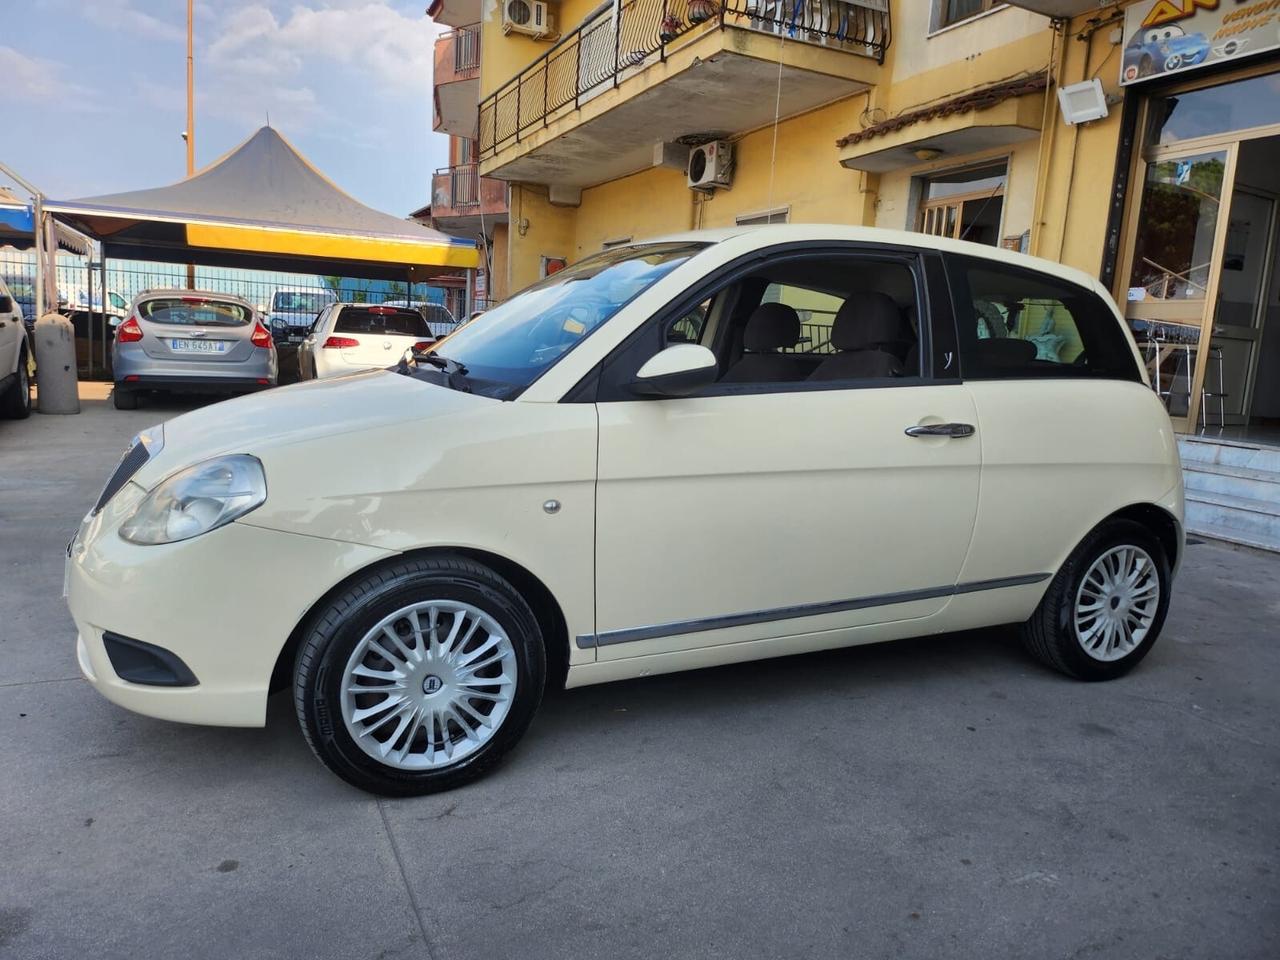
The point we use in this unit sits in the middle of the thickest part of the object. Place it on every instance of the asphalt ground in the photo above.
(945, 797)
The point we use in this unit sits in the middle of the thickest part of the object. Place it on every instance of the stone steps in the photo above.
(1232, 491)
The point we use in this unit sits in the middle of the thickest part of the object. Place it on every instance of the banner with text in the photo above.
(1165, 37)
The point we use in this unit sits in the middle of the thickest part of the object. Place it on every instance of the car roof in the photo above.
(770, 234)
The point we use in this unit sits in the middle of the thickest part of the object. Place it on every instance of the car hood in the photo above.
(300, 413)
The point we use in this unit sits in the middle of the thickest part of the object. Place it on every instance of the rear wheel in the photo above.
(124, 399)
(1104, 610)
(15, 404)
(420, 676)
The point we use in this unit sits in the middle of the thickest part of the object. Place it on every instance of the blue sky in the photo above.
(95, 91)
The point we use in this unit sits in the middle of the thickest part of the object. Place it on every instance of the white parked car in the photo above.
(707, 449)
(15, 386)
(360, 336)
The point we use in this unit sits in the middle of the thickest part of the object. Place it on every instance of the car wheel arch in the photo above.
(546, 608)
(1158, 521)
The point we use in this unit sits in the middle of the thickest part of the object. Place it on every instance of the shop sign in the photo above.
(1165, 37)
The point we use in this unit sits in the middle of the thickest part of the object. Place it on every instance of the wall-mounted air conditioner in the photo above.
(710, 165)
(529, 17)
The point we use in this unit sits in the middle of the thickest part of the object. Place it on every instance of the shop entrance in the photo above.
(1203, 268)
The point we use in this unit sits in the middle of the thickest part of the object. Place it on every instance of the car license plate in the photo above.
(198, 346)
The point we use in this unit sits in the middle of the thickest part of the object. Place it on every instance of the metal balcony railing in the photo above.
(457, 187)
(466, 48)
(595, 56)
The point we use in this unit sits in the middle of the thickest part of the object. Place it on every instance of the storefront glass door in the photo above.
(1179, 237)
(1241, 308)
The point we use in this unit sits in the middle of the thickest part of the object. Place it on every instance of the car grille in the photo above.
(130, 463)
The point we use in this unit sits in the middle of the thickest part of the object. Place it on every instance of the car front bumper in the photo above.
(223, 603)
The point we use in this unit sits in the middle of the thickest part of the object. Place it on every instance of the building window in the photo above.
(949, 12)
(965, 204)
(776, 215)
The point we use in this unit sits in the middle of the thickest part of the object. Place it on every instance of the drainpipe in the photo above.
(1044, 159)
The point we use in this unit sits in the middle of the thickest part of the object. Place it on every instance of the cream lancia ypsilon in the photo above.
(711, 448)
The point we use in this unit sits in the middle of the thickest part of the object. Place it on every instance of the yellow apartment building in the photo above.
(1138, 141)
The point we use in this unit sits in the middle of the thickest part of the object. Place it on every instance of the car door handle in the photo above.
(941, 430)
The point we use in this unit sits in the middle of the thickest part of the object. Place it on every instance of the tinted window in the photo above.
(1019, 323)
(387, 321)
(194, 311)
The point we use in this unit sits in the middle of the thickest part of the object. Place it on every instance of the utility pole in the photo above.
(190, 135)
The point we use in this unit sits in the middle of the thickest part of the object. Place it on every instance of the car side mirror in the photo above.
(6, 304)
(680, 370)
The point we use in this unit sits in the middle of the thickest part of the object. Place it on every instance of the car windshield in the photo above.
(514, 343)
(194, 311)
(386, 321)
(289, 301)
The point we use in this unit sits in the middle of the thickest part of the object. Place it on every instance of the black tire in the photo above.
(124, 399)
(1051, 635)
(16, 402)
(334, 631)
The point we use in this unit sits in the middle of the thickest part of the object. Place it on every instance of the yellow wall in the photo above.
(498, 278)
(548, 231)
(1058, 183)
(505, 55)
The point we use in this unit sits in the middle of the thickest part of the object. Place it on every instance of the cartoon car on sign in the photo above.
(1163, 49)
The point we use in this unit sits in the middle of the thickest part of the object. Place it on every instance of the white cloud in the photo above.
(392, 47)
(122, 15)
(33, 78)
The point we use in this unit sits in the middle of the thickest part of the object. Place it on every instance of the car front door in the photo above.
(788, 507)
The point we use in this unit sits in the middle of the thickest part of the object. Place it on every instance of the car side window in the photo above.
(1014, 322)
(692, 325)
(820, 318)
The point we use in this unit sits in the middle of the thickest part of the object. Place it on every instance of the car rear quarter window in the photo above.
(195, 312)
(383, 321)
(1018, 323)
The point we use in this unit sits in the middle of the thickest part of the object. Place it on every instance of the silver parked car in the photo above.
(190, 341)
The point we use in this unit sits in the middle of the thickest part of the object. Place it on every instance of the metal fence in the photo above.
(287, 295)
(596, 55)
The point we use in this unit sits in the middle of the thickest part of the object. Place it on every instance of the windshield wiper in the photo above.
(454, 371)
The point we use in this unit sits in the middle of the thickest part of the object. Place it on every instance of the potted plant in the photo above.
(670, 28)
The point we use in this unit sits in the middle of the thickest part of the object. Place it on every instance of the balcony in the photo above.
(454, 13)
(464, 202)
(457, 81)
(592, 107)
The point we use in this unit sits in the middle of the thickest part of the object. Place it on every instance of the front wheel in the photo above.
(1104, 609)
(420, 676)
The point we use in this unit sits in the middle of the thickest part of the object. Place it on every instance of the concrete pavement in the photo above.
(935, 798)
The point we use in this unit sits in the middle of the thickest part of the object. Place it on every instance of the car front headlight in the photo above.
(198, 499)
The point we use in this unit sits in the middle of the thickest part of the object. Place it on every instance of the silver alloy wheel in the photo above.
(429, 685)
(1117, 602)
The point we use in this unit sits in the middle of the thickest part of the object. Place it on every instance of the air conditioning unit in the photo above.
(529, 17)
(710, 166)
